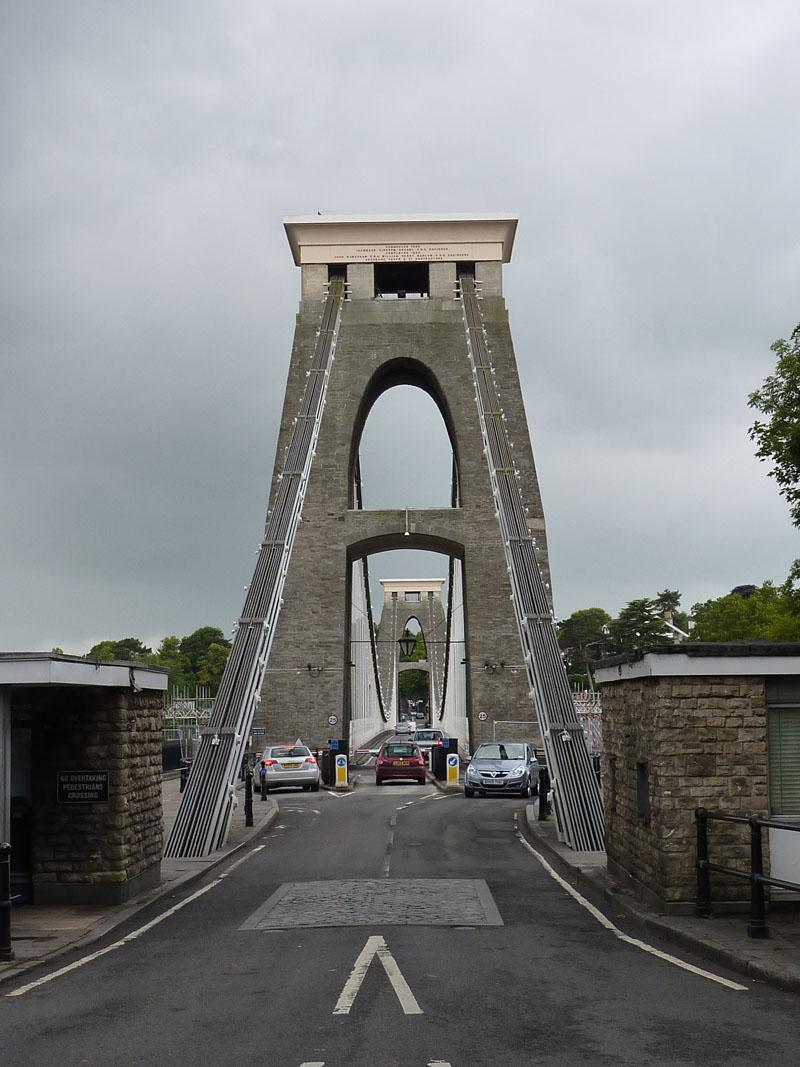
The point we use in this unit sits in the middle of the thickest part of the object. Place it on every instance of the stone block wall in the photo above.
(703, 741)
(97, 852)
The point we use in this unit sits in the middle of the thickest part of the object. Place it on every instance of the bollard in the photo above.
(6, 951)
(544, 789)
(248, 797)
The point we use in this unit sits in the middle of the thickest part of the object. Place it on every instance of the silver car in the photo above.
(291, 764)
(503, 767)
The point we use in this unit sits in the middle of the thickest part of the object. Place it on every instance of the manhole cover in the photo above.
(378, 902)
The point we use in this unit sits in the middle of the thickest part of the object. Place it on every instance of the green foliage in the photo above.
(583, 638)
(778, 438)
(769, 613)
(414, 685)
(639, 624)
(196, 659)
(130, 648)
(180, 669)
(212, 664)
(196, 645)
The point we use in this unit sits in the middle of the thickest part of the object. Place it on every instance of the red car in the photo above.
(400, 759)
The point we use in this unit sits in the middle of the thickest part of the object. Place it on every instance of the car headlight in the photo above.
(518, 770)
(473, 772)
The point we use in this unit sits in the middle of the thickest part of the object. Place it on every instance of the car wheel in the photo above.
(535, 790)
(524, 791)
(306, 788)
(315, 787)
(378, 780)
(469, 792)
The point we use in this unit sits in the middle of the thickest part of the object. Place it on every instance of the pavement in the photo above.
(42, 933)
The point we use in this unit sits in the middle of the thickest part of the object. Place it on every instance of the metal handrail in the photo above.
(757, 926)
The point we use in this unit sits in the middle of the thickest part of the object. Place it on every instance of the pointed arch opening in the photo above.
(403, 449)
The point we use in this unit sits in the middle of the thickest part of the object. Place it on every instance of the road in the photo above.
(442, 940)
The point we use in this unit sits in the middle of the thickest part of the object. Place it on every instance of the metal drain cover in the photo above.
(377, 902)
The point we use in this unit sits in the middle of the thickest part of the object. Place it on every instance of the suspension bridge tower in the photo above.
(387, 301)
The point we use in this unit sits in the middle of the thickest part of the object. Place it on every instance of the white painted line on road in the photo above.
(376, 946)
(615, 930)
(316, 1063)
(134, 934)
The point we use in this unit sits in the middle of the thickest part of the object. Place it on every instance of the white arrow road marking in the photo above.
(376, 946)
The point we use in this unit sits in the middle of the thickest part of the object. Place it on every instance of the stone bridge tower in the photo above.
(403, 601)
(402, 323)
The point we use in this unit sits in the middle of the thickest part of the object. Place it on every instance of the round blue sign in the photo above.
(341, 761)
(452, 760)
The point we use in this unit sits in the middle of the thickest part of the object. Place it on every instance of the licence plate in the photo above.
(290, 766)
(402, 763)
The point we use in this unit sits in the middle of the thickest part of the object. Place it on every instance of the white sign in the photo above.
(482, 716)
(332, 720)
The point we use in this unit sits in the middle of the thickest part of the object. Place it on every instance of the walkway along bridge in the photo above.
(393, 301)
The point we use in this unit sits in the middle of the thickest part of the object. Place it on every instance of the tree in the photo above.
(212, 664)
(583, 638)
(180, 669)
(779, 437)
(130, 648)
(638, 624)
(667, 604)
(770, 613)
(196, 645)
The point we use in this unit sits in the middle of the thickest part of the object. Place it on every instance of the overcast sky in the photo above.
(150, 151)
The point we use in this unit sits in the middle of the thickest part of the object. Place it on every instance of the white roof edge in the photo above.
(321, 220)
(653, 665)
(28, 669)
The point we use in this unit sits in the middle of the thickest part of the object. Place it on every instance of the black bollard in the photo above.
(6, 951)
(248, 797)
(544, 789)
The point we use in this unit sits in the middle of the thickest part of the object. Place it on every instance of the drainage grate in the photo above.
(378, 902)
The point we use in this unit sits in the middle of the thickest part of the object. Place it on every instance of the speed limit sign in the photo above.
(482, 715)
(332, 720)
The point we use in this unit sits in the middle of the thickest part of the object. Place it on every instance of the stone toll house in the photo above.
(80, 776)
(713, 725)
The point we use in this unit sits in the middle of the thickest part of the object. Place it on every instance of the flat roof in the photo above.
(50, 668)
(698, 658)
(400, 238)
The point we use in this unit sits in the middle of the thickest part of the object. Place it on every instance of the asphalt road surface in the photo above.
(391, 927)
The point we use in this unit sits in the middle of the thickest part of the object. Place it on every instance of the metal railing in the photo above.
(575, 786)
(757, 926)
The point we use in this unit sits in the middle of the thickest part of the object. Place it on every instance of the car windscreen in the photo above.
(500, 751)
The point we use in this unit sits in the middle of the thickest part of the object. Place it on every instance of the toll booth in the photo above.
(80, 776)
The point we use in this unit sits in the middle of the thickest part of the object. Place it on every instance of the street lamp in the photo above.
(407, 643)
